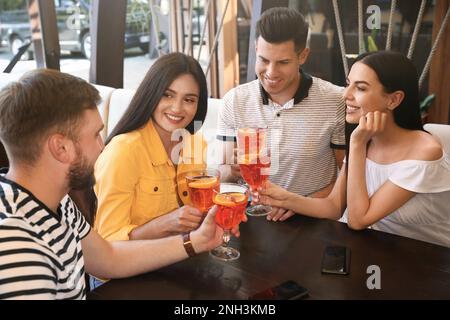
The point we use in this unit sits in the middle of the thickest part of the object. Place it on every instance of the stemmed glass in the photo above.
(231, 202)
(254, 163)
(203, 185)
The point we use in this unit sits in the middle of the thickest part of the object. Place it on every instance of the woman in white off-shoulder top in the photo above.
(397, 177)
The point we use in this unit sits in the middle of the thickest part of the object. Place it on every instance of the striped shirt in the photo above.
(303, 132)
(40, 251)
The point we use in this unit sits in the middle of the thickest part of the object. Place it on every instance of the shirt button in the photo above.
(155, 189)
(185, 193)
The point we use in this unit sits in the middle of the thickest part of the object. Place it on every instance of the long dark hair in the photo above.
(161, 74)
(395, 72)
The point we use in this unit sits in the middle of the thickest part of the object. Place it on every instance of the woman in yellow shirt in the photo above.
(140, 186)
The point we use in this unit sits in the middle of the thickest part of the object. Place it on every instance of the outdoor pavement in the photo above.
(136, 64)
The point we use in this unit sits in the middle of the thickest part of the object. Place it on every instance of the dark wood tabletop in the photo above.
(273, 252)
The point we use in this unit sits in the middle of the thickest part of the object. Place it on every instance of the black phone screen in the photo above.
(289, 290)
(336, 260)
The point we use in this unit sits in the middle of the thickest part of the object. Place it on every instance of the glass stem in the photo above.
(226, 238)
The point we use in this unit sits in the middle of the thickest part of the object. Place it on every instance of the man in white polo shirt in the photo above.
(305, 115)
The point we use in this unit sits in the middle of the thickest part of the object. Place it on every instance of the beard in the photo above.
(81, 173)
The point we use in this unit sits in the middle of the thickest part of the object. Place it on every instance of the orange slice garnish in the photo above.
(230, 199)
(248, 158)
(204, 183)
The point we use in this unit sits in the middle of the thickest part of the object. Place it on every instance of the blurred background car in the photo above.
(73, 26)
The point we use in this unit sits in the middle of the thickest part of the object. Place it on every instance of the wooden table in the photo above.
(273, 252)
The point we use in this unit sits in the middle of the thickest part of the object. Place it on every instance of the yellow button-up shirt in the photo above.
(137, 181)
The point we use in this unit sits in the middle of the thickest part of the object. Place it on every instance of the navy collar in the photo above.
(302, 91)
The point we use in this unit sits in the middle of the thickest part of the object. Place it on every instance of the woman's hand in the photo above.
(272, 195)
(369, 125)
(183, 219)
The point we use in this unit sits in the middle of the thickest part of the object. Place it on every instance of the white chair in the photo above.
(105, 95)
(121, 98)
(440, 131)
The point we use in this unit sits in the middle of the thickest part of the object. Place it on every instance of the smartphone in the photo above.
(336, 260)
(289, 290)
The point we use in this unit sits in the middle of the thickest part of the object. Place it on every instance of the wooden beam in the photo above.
(173, 34)
(44, 33)
(107, 28)
(439, 81)
(228, 50)
(50, 36)
(256, 14)
(213, 75)
(36, 35)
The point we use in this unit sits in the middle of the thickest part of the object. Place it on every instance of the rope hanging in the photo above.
(341, 36)
(390, 28)
(204, 29)
(362, 48)
(433, 49)
(216, 39)
(416, 29)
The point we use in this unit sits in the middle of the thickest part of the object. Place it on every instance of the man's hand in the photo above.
(209, 235)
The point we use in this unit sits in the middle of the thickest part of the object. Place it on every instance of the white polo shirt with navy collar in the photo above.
(303, 132)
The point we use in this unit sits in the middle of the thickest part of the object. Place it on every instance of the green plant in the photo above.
(426, 103)
(371, 44)
(12, 4)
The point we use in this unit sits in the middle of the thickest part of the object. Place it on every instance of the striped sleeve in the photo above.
(81, 224)
(26, 269)
(226, 123)
(338, 135)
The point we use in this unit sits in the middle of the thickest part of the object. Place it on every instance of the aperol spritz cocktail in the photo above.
(231, 201)
(254, 163)
(203, 185)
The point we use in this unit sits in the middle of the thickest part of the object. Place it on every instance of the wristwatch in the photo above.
(188, 244)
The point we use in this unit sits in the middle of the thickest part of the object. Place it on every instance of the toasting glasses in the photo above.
(254, 163)
(231, 202)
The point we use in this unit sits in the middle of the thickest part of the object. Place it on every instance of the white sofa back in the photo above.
(121, 98)
(115, 102)
(442, 132)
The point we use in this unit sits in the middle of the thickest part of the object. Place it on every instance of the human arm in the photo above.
(330, 207)
(362, 210)
(178, 221)
(120, 259)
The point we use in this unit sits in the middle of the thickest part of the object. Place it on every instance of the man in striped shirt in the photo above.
(50, 127)
(305, 115)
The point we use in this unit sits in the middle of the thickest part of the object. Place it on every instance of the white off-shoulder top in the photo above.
(426, 216)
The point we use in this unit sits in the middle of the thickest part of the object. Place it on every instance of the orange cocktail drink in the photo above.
(202, 186)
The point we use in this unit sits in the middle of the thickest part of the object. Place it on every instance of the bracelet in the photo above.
(188, 244)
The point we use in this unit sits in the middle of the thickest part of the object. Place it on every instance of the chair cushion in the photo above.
(440, 131)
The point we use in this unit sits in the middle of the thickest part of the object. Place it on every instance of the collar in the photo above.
(13, 184)
(154, 144)
(302, 91)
